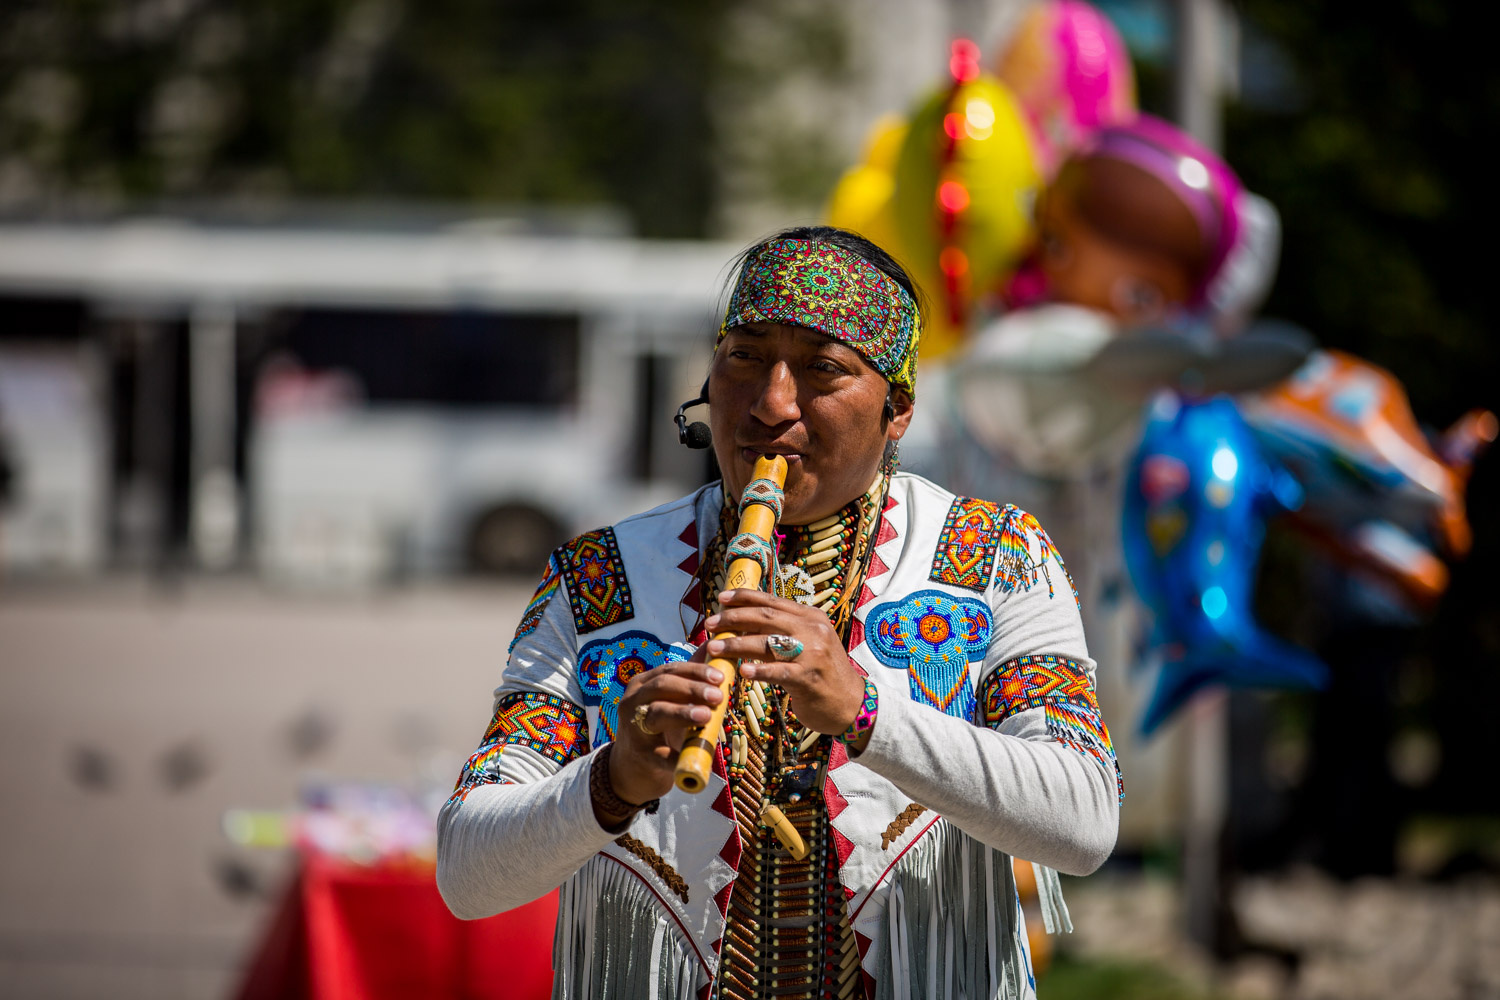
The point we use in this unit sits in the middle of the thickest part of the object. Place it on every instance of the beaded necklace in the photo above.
(822, 565)
(788, 932)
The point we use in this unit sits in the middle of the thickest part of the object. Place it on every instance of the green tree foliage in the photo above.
(1368, 128)
(1370, 139)
(458, 100)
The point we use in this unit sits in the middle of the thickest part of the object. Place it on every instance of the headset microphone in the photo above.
(695, 434)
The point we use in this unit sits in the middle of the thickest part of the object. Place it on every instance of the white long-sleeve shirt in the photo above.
(992, 730)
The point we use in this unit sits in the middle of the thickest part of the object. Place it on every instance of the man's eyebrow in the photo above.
(816, 339)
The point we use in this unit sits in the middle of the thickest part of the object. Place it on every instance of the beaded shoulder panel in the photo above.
(981, 540)
(966, 547)
(598, 589)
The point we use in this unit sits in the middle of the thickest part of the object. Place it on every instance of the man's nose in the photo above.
(777, 402)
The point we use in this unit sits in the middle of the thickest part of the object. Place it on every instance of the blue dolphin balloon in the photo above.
(1197, 500)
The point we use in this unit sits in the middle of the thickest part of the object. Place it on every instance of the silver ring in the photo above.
(639, 719)
(784, 647)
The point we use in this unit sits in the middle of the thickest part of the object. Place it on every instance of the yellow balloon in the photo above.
(861, 201)
(967, 153)
(940, 335)
(883, 144)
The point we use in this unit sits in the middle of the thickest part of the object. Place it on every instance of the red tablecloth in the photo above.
(363, 933)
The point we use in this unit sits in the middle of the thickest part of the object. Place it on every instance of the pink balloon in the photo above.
(1071, 72)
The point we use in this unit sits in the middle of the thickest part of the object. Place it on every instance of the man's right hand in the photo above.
(677, 696)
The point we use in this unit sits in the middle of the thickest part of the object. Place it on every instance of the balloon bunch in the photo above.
(950, 191)
(1083, 258)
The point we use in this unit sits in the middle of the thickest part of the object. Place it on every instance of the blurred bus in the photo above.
(339, 404)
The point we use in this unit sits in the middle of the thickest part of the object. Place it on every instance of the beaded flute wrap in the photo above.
(751, 560)
(788, 931)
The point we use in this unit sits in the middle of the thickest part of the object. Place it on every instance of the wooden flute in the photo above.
(750, 552)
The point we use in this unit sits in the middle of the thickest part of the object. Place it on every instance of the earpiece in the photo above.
(695, 434)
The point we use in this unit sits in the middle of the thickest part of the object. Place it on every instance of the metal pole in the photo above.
(1198, 70)
(215, 492)
(1197, 91)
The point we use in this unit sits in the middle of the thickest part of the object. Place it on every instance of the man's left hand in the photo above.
(826, 691)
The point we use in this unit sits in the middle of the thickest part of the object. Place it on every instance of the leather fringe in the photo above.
(953, 924)
(613, 941)
(1055, 916)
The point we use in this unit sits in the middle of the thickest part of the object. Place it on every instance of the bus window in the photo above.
(456, 358)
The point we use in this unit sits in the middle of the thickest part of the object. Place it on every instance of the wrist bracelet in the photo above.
(864, 721)
(603, 790)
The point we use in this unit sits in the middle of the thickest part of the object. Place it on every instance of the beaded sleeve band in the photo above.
(603, 790)
(748, 545)
(865, 720)
(826, 288)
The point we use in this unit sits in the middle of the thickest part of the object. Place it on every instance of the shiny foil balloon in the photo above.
(1071, 72)
(1197, 500)
(966, 179)
(1380, 496)
(1139, 223)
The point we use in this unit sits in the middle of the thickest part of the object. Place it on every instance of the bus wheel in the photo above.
(512, 539)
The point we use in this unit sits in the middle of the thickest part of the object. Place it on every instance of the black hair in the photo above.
(844, 239)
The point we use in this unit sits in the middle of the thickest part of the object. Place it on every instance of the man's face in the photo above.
(795, 392)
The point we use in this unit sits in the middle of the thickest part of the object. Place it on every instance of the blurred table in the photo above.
(354, 932)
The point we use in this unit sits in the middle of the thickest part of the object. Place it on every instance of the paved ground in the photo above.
(130, 720)
(1374, 939)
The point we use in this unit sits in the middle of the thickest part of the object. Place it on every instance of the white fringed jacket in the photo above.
(988, 744)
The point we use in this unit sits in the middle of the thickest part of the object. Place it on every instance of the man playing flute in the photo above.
(915, 704)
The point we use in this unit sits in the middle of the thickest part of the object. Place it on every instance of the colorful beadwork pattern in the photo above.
(933, 636)
(1061, 688)
(823, 287)
(980, 539)
(1077, 727)
(545, 591)
(595, 575)
(1066, 720)
(1015, 569)
(748, 545)
(1032, 682)
(864, 721)
(551, 726)
(763, 491)
(605, 666)
(966, 546)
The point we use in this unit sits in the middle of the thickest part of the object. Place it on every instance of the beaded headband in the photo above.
(826, 288)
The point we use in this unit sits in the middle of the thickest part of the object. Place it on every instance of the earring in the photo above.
(892, 458)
